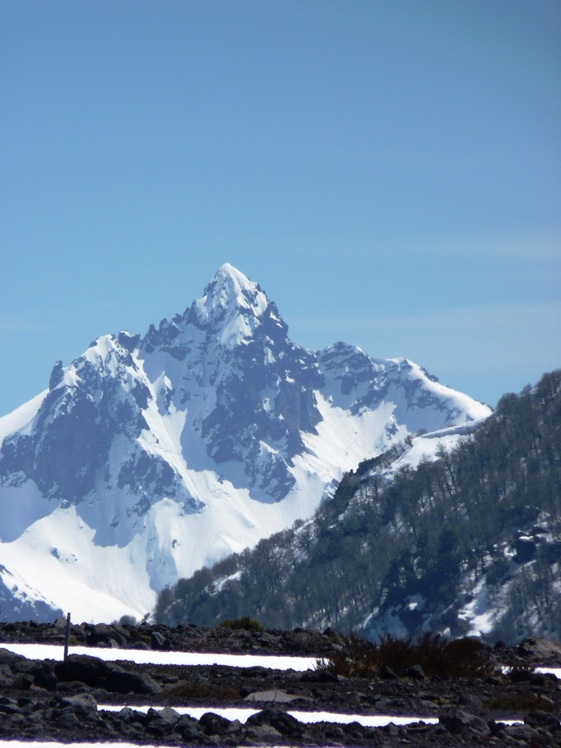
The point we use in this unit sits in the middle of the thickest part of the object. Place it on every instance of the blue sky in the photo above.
(388, 171)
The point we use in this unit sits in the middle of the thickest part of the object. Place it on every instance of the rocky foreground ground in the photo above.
(58, 700)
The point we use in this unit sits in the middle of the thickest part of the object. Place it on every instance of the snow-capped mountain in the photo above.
(149, 457)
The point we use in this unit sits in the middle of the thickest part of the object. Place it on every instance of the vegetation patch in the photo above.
(245, 624)
(436, 655)
(190, 690)
(519, 703)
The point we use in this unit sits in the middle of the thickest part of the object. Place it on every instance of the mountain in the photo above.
(150, 457)
(467, 542)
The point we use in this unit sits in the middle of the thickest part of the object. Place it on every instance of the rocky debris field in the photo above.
(58, 700)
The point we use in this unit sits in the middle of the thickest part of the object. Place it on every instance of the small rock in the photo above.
(83, 702)
(274, 695)
(283, 722)
(8, 706)
(525, 734)
(386, 673)
(318, 676)
(546, 720)
(83, 668)
(263, 733)
(158, 641)
(9, 658)
(188, 728)
(416, 672)
(214, 724)
(167, 717)
(458, 722)
(123, 681)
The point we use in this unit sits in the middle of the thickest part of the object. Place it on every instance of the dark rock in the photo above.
(459, 722)
(123, 681)
(137, 644)
(40, 671)
(546, 720)
(333, 734)
(416, 672)
(188, 728)
(101, 634)
(166, 718)
(386, 673)
(129, 714)
(15, 721)
(214, 724)
(7, 678)
(471, 701)
(8, 706)
(99, 674)
(68, 720)
(83, 703)
(524, 734)
(525, 550)
(284, 723)
(83, 668)
(553, 552)
(540, 651)
(318, 676)
(9, 658)
(158, 641)
(520, 675)
(263, 733)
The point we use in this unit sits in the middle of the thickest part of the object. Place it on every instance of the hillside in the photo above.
(469, 543)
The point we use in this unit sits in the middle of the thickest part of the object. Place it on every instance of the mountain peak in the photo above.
(227, 271)
(231, 303)
(231, 288)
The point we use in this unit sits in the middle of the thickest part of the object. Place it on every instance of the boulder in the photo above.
(118, 680)
(83, 668)
(214, 724)
(41, 673)
(189, 729)
(82, 703)
(386, 673)
(103, 635)
(545, 720)
(459, 722)
(9, 658)
(283, 722)
(416, 672)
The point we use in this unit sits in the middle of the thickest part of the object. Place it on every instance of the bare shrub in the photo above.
(437, 656)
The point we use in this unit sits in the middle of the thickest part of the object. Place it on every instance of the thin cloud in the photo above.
(537, 245)
(15, 324)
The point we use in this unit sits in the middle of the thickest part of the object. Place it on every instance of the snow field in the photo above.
(150, 657)
(308, 717)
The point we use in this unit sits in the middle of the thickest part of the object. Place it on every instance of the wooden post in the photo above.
(67, 636)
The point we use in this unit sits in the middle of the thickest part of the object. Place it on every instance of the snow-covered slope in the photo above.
(149, 457)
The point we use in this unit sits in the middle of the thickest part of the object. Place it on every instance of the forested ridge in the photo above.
(470, 540)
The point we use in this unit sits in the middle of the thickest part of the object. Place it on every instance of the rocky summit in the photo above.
(151, 456)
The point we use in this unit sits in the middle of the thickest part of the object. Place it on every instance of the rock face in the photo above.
(153, 456)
